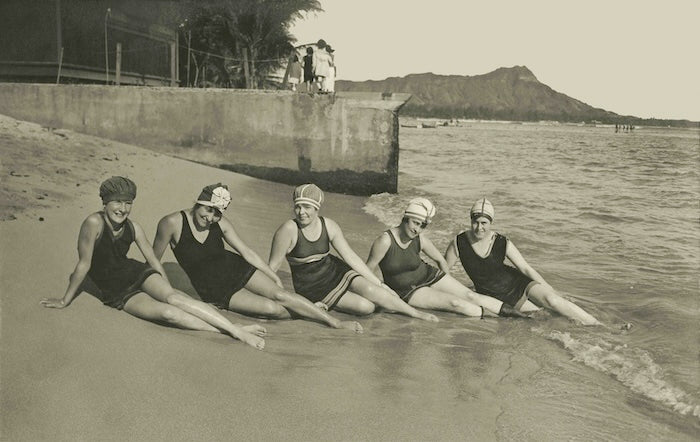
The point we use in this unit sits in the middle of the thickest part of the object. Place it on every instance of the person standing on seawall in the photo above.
(332, 71)
(295, 72)
(309, 69)
(322, 63)
(482, 253)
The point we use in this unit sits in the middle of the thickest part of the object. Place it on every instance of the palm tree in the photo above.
(253, 33)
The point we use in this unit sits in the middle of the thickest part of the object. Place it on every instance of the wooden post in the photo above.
(189, 56)
(60, 63)
(173, 64)
(245, 68)
(59, 37)
(118, 68)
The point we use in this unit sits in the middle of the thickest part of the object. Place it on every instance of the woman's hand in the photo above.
(53, 303)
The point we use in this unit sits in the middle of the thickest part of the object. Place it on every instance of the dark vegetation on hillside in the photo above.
(505, 94)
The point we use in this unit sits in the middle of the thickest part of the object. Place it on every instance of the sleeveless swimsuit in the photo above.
(491, 275)
(216, 273)
(404, 270)
(118, 277)
(316, 274)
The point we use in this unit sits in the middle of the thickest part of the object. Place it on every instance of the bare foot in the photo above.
(255, 329)
(427, 316)
(252, 340)
(352, 325)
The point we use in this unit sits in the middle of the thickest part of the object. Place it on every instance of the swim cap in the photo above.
(421, 209)
(308, 194)
(216, 196)
(482, 207)
(117, 188)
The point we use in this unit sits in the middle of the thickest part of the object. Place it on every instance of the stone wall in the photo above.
(345, 142)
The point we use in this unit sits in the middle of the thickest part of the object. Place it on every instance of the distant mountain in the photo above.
(504, 94)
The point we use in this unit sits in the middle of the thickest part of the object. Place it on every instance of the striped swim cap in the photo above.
(482, 207)
(308, 194)
(421, 209)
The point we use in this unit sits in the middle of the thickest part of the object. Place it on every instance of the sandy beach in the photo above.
(93, 373)
(90, 372)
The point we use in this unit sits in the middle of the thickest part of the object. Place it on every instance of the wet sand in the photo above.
(89, 372)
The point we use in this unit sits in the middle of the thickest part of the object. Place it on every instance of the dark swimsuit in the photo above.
(316, 274)
(118, 277)
(491, 275)
(404, 270)
(216, 273)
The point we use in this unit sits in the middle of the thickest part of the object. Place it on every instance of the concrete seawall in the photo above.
(347, 142)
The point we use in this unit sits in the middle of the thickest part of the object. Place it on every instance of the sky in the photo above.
(638, 58)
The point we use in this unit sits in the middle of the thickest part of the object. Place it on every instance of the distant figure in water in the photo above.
(482, 254)
(397, 253)
(197, 235)
(139, 289)
(345, 283)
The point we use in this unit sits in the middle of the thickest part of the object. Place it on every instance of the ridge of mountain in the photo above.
(512, 93)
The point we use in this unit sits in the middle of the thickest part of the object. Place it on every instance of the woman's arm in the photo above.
(429, 249)
(164, 235)
(89, 231)
(147, 251)
(378, 251)
(235, 241)
(513, 254)
(451, 256)
(282, 243)
(347, 253)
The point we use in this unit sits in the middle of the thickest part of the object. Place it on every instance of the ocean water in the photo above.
(612, 221)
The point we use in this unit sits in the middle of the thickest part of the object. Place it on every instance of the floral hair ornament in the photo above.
(216, 196)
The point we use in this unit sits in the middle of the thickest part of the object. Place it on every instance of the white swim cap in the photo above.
(482, 207)
(308, 194)
(421, 209)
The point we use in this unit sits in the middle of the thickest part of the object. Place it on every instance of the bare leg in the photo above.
(160, 290)
(430, 298)
(547, 297)
(354, 304)
(250, 304)
(449, 284)
(387, 300)
(144, 307)
(259, 283)
(529, 307)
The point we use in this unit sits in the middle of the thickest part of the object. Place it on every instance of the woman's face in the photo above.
(305, 213)
(481, 227)
(118, 211)
(413, 227)
(205, 216)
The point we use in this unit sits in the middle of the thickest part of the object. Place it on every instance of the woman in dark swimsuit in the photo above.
(397, 253)
(197, 238)
(332, 283)
(482, 254)
(137, 288)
